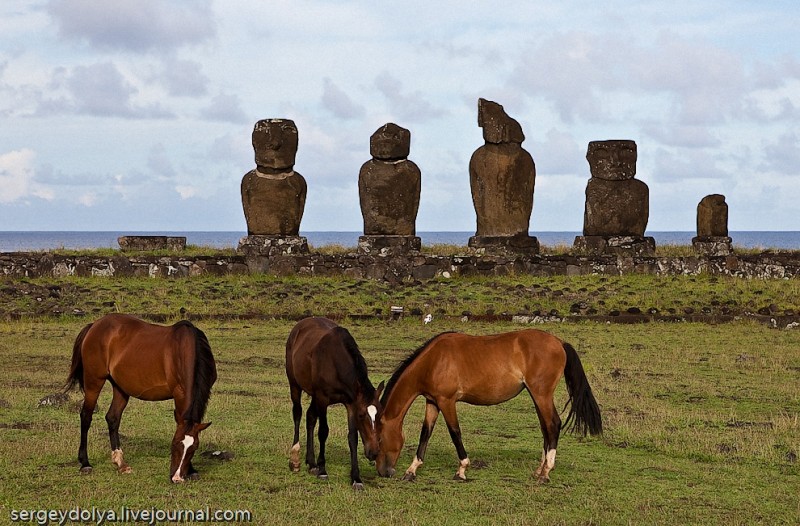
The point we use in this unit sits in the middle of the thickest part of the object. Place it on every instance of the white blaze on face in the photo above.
(187, 443)
(372, 411)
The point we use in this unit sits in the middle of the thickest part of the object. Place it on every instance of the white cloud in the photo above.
(17, 177)
(134, 25)
(225, 107)
(339, 103)
(88, 199)
(185, 191)
(412, 107)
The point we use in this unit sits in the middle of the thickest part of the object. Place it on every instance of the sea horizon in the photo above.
(38, 240)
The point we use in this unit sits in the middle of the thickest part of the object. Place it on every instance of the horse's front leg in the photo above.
(352, 441)
(323, 431)
(311, 423)
(113, 418)
(448, 408)
(431, 414)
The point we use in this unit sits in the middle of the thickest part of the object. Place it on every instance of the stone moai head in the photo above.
(612, 160)
(497, 126)
(390, 142)
(275, 143)
(712, 216)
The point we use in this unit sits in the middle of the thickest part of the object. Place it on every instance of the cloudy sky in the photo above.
(136, 115)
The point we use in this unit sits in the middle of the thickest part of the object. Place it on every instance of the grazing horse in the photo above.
(484, 370)
(323, 360)
(149, 362)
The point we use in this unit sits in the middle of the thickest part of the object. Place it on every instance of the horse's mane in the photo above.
(351, 346)
(205, 374)
(404, 365)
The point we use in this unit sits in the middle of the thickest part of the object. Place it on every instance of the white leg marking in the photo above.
(372, 411)
(551, 459)
(116, 458)
(414, 465)
(462, 469)
(187, 442)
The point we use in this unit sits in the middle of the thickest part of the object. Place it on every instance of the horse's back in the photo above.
(134, 353)
(317, 358)
(489, 369)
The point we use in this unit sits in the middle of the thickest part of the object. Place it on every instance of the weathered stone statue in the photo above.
(388, 189)
(617, 205)
(273, 195)
(502, 176)
(712, 227)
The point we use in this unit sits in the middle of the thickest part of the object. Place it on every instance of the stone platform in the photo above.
(616, 245)
(389, 245)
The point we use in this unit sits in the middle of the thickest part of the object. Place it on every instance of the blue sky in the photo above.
(136, 115)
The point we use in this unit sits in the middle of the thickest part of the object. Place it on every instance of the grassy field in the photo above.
(702, 426)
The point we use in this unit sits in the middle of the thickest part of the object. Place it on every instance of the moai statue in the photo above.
(273, 195)
(502, 175)
(617, 205)
(389, 189)
(712, 227)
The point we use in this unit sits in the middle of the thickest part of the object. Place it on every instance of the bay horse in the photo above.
(485, 370)
(323, 360)
(149, 362)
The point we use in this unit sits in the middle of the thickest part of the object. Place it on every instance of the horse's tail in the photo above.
(76, 369)
(205, 374)
(584, 409)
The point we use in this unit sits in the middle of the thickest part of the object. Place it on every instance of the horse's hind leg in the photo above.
(311, 423)
(113, 418)
(448, 408)
(431, 414)
(323, 438)
(550, 423)
(297, 414)
(91, 390)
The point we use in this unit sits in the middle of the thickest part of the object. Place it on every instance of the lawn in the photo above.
(701, 423)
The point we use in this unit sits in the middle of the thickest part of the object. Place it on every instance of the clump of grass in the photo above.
(333, 249)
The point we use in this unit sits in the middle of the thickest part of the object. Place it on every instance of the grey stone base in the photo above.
(388, 245)
(616, 245)
(712, 245)
(146, 243)
(518, 244)
(251, 246)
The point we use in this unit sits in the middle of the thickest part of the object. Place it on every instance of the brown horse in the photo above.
(149, 362)
(323, 360)
(484, 370)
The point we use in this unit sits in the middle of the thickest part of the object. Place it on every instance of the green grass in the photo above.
(701, 427)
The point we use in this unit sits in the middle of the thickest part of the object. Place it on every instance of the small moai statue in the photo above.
(502, 175)
(388, 189)
(273, 195)
(617, 205)
(712, 227)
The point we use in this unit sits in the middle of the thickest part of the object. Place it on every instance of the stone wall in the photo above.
(396, 268)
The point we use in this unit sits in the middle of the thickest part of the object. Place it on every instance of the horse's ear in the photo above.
(379, 390)
(203, 426)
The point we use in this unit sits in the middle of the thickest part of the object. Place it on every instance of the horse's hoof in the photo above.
(86, 470)
(460, 478)
(294, 467)
(543, 479)
(358, 486)
(322, 476)
(125, 469)
(193, 476)
(410, 477)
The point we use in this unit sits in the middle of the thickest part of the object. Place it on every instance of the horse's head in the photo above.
(184, 444)
(368, 418)
(391, 442)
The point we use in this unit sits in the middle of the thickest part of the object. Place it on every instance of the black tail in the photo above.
(205, 374)
(584, 407)
(76, 369)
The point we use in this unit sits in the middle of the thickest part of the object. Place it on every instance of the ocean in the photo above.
(46, 240)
